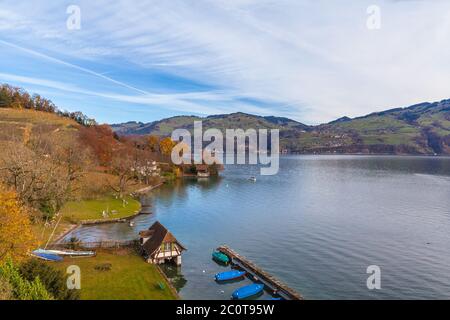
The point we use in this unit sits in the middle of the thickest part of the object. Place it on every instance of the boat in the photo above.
(131, 224)
(220, 257)
(252, 179)
(229, 275)
(248, 291)
(47, 256)
(65, 252)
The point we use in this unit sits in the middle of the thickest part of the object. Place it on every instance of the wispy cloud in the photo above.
(311, 60)
(181, 102)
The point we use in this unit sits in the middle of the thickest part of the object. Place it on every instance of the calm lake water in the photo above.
(317, 226)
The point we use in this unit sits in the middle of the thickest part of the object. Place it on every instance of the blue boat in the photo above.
(229, 275)
(47, 256)
(248, 291)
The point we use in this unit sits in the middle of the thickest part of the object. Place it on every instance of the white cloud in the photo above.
(315, 58)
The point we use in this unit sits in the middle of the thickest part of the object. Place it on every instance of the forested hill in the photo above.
(234, 120)
(419, 129)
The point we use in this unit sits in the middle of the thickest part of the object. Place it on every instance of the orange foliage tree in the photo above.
(166, 145)
(16, 236)
(153, 143)
(102, 141)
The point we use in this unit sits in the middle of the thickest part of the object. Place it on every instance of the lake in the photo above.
(316, 225)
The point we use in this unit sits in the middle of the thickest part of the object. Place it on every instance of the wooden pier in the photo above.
(270, 281)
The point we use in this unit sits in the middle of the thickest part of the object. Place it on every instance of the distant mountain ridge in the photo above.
(418, 129)
(236, 120)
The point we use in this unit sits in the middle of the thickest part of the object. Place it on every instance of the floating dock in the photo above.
(269, 281)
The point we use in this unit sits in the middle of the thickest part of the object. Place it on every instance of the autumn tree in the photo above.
(122, 167)
(73, 159)
(16, 236)
(5, 98)
(36, 176)
(153, 143)
(166, 145)
(17, 98)
(102, 142)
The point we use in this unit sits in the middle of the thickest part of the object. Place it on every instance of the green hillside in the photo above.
(234, 120)
(419, 129)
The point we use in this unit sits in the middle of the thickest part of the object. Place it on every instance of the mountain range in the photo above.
(418, 129)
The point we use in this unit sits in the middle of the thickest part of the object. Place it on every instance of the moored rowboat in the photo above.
(229, 275)
(248, 291)
(220, 257)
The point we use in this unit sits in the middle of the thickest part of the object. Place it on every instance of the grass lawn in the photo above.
(130, 278)
(75, 211)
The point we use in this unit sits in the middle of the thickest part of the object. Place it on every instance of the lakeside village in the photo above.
(60, 171)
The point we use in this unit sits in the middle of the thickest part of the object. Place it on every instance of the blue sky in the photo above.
(312, 61)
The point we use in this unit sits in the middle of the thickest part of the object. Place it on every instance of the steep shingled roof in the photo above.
(158, 235)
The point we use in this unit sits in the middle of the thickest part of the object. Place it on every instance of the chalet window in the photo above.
(166, 247)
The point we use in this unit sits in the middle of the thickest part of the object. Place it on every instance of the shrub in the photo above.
(169, 176)
(23, 289)
(6, 290)
(53, 280)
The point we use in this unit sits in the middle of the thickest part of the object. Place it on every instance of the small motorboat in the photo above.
(47, 257)
(220, 257)
(229, 275)
(252, 179)
(131, 224)
(248, 291)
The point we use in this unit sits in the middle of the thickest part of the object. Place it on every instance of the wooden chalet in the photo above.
(202, 170)
(159, 245)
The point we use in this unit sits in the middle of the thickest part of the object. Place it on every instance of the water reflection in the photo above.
(175, 275)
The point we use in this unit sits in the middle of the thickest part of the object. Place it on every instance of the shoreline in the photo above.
(170, 285)
(145, 190)
(91, 222)
(65, 233)
(368, 155)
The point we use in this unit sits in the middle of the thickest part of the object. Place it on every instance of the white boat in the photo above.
(72, 253)
(252, 179)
